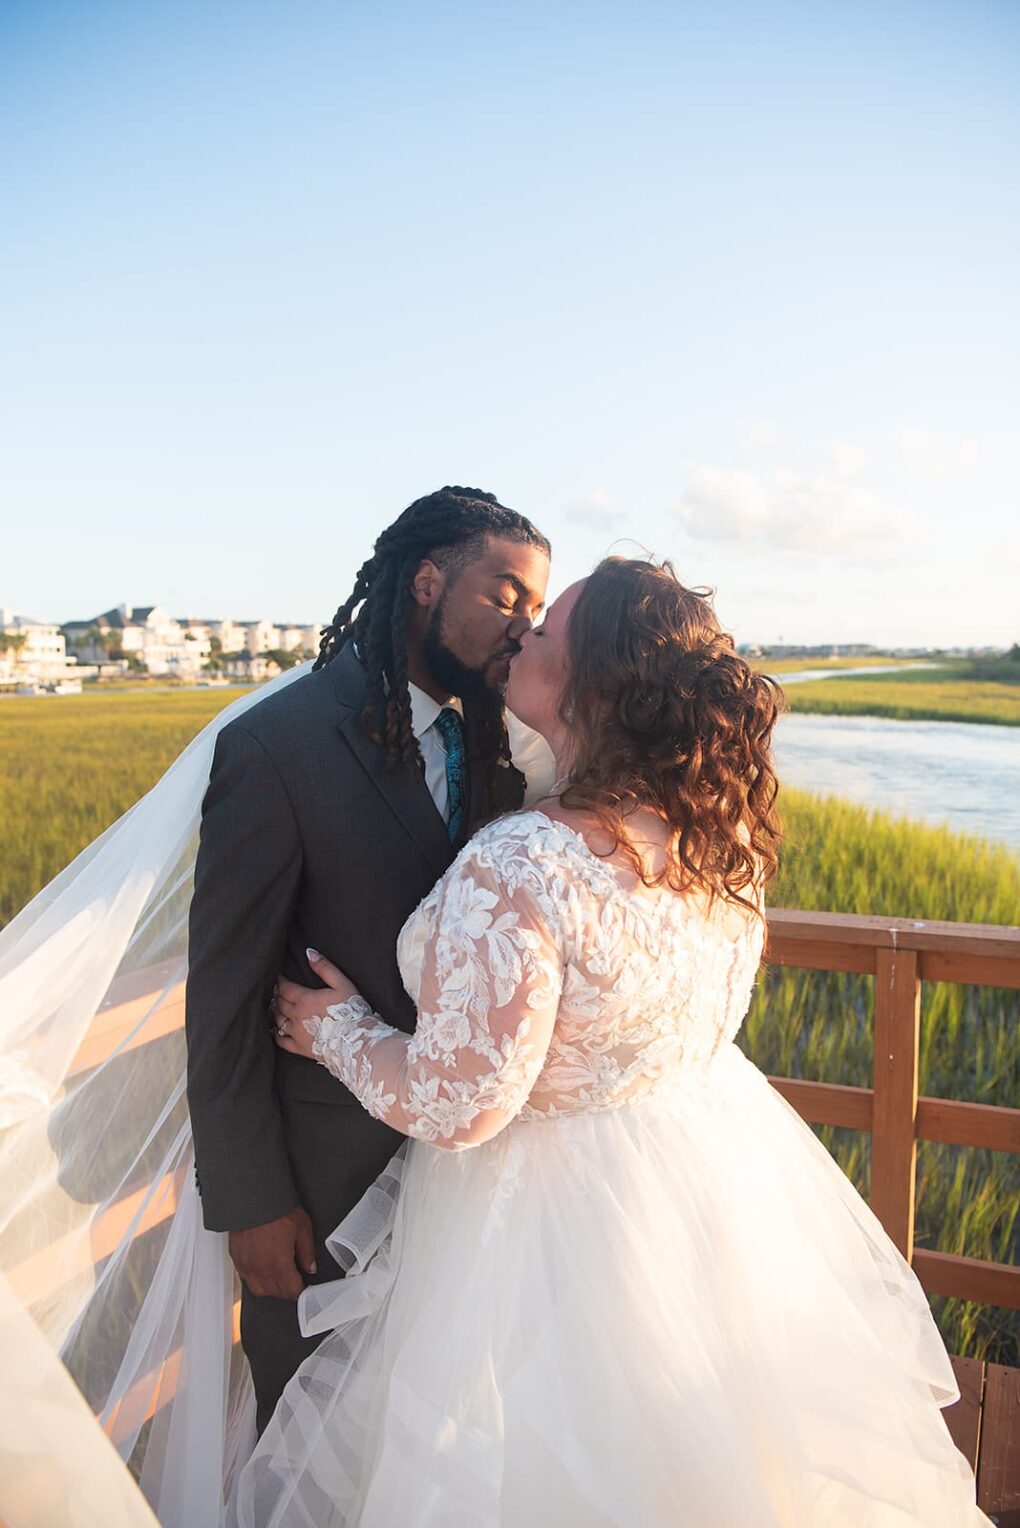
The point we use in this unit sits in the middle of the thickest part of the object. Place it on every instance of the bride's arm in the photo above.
(490, 988)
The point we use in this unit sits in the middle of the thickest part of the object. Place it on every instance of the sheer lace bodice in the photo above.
(547, 982)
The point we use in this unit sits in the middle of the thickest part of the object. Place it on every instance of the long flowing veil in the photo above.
(106, 1271)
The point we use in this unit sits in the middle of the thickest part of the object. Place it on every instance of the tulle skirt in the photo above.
(678, 1312)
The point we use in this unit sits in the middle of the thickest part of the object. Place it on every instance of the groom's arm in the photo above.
(246, 882)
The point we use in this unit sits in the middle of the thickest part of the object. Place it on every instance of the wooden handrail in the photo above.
(948, 1120)
(978, 954)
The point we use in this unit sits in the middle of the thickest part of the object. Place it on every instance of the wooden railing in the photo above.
(900, 954)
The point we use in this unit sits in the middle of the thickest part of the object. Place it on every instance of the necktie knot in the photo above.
(451, 730)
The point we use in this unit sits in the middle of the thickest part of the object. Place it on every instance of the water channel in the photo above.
(962, 774)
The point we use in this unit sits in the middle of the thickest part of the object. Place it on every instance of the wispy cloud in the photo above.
(847, 461)
(795, 515)
(596, 512)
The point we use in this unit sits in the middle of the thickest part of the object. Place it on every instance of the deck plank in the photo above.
(964, 1417)
(999, 1455)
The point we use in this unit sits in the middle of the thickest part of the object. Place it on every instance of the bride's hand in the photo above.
(298, 1010)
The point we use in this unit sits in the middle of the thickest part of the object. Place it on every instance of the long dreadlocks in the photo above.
(448, 528)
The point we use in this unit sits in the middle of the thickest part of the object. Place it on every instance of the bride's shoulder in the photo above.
(528, 825)
(530, 836)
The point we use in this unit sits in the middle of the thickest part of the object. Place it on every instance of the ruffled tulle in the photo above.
(676, 1312)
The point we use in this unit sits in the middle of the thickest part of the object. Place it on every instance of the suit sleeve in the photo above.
(246, 883)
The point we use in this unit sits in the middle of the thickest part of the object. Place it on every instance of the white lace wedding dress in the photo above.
(615, 1280)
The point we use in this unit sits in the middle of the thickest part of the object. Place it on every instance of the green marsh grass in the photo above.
(912, 699)
(986, 692)
(70, 765)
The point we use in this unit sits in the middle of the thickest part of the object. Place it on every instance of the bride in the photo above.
(613, 1279)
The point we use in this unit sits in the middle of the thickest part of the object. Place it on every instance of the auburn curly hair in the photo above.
(664, 713)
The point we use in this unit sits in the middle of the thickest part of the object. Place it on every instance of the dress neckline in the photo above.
(639, 894)
(613, 870)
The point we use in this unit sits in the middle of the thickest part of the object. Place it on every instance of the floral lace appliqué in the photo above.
(544, 987)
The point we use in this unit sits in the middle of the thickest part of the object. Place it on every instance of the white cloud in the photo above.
(847, 461)
(595, 512)
(791, 514)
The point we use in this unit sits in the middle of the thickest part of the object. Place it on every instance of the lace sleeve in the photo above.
(491, 980)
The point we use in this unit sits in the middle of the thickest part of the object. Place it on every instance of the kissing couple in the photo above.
(522, 1236)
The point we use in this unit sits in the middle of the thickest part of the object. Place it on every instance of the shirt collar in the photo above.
(424, 709)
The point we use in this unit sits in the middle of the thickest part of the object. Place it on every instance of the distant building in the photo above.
(33, 654)
(820, 650)
(230, 635)
(260, 637)
(147, 638)
(145, 633)
(251, 667)
(299, 639)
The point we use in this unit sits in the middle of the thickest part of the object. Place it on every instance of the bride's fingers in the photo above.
(324, 969)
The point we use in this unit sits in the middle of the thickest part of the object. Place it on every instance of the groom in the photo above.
(333, 807)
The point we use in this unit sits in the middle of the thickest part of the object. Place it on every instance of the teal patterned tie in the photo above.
(451, 730)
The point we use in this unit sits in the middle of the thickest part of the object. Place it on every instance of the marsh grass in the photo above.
(957, 692)
(70, 765)
(996, 705)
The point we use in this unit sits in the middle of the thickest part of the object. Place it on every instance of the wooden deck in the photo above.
(900, 954)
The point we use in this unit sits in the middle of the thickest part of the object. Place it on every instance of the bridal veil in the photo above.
(106, 1271)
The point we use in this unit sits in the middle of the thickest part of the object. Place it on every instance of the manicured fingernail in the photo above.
(314, 1268)
(313, 954)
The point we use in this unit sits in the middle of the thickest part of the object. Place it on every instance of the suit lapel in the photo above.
(404, 791)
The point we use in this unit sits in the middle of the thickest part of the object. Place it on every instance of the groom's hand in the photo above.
(271, 1258)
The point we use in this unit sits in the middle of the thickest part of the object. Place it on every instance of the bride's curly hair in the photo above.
(665, 714)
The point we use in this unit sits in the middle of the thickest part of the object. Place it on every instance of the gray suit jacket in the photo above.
(306, 840)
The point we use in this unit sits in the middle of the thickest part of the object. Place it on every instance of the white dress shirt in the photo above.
(529, 749)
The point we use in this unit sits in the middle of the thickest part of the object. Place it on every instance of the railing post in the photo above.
(894, 1141)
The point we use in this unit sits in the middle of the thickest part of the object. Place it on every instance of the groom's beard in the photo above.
(455, 676)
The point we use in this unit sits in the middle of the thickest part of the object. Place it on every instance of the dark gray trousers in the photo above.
(336, 1153)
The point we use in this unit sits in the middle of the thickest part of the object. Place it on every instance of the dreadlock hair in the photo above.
(449, 527)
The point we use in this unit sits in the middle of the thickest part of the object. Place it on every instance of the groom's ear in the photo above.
(428, 584)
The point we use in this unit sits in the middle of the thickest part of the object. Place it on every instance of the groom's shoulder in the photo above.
(304, 709)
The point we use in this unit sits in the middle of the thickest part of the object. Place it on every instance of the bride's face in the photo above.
(538, 671)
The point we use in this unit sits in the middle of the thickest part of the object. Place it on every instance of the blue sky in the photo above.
(736, 282)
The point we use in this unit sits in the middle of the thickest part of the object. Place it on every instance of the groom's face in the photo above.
(481, 611)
